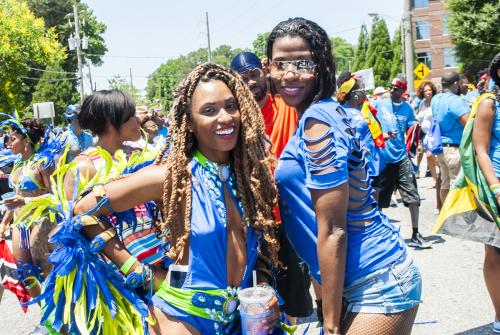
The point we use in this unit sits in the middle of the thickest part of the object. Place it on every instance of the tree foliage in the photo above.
(57, 15)
(122, 84)
(473, 26)
(260, 43)
(343, 53)
(361, 49)
(397, 57)
(163, 81)
(379, 52)
(50, 87)
(24, 43)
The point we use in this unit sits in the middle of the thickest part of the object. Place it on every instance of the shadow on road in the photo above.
(482, 330)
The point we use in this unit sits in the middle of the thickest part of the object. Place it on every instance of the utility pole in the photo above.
(78, 51)
(130, 71)
(208, 37)
(408, 46)
(90, 78)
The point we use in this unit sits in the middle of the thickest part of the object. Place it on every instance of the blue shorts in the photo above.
(392, 289)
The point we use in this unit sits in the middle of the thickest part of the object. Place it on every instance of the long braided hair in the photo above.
(494, 66)
(251, 161)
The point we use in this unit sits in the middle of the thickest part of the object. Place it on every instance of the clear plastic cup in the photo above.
(253, 310)
(8, 195)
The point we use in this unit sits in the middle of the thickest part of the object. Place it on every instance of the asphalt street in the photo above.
(455, 300)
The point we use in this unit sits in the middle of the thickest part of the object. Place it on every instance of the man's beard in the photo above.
(260, 94)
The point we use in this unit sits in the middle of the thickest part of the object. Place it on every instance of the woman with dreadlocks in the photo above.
(326, 201)
(217, 195)
(486, 142)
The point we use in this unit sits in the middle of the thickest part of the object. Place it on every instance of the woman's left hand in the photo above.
(13, 203)
(273, 320)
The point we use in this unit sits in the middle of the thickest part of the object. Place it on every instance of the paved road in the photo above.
(455, 300)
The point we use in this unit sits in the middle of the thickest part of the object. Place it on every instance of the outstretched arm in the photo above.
(140, 187)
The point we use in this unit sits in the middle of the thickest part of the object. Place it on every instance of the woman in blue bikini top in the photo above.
(217, 194)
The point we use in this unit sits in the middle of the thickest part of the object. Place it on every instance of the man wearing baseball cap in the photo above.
(77, 139)
(396, 116)
(281, 122)
(451, 112)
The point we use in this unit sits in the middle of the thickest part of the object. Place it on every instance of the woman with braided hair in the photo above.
(326, 201)
(214, 186)
(486, 142)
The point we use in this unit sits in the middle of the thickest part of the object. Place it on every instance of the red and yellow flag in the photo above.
(370, 115)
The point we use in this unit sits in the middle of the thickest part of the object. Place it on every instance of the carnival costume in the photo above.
(84, 293)
(38, 224)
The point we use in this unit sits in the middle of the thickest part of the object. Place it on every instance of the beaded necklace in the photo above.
(215, 176)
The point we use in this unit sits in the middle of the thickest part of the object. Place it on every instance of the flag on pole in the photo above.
(370, 115)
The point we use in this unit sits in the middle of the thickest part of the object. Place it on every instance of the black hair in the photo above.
(34, 128)
(343, 77)
(321, 51)
(106, 106)
(494, 65)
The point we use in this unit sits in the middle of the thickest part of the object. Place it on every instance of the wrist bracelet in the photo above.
(128, 264)
(495, 188)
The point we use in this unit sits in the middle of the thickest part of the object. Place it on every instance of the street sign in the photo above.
(416, 83)
(421, 71)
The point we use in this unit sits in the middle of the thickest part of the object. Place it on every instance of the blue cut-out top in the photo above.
(208, 240)
(373, 241)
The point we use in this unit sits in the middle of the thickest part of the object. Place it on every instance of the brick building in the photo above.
(432, 43)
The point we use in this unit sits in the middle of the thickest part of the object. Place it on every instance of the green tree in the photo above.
(397, 58)
(24, 42)
(163, 81)
(361, 49)
(473, 27)
(57, 15)
(379, 51)
(259, 44)
(122, 84)
(51, 87)
(343, 52)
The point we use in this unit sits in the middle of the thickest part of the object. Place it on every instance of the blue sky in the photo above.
(141, 35)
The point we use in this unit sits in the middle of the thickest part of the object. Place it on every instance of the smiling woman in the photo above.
(326, 201)
(216, 193)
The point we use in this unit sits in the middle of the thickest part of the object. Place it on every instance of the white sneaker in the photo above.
(496, 326)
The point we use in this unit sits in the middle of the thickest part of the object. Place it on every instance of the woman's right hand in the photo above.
(3, 229)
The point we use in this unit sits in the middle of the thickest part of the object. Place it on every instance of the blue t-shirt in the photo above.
(447, 108)
(369, 248)
(495, 140)
(395, 118)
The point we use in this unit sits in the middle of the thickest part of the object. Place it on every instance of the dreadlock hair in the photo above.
(34, 130)
(321, 51)
(251, 161)
(494, 66)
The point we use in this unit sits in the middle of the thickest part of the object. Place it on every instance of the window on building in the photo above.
(420, 3)
(423, 29)
(449, 58)
(445, 24)
(426, 58)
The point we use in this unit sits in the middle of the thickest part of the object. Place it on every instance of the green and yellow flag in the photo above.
(470, 210)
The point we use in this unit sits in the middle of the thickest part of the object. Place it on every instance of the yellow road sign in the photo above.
(421, 71)
(416, 83)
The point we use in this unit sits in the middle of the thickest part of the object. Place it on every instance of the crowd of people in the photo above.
(273, 172)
